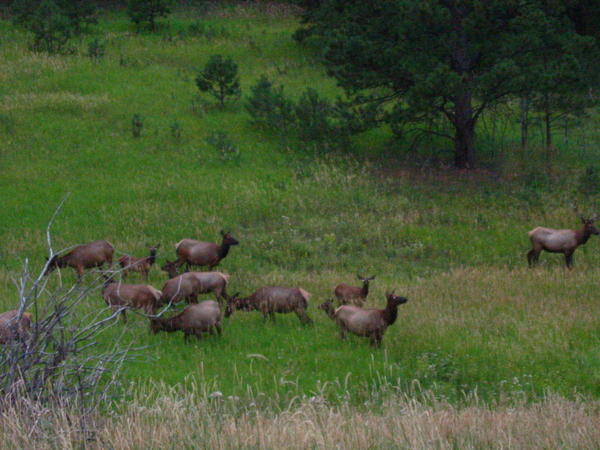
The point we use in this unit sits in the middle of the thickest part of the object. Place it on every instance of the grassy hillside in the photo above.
(454, 243)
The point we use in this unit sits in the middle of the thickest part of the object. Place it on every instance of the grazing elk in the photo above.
(270, 300)
(347, 294)
(86, 256)
(197, 253)
(204, 317)
(188, 285)
(370, 322)
(135, 296)
(560, 241)
(142, 265)
(11, 327)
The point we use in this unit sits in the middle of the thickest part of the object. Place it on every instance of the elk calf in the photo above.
(188, 285)
(347, 294)
(559, 241)
(11, 328)
(370, 322)
(135, 296)
(204, 317)
(197, 253)
(94, 254)
(270, 300)
(142, 265)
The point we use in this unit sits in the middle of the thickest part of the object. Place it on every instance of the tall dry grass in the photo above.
(184, 419)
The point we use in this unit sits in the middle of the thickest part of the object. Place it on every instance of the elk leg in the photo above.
(342, 333)
(376, 339)
(569, 259)
(79, 270)
(124, 316)
(532, 257)
(301, 313)
(219, 329)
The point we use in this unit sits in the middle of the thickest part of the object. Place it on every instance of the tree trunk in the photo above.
(524, 123)
(548, 128)
(464, 135)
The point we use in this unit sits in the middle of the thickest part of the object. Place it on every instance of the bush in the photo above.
(219, 78)
(176, 130)
(312, 119)
(145, 12)
(53, 22)
(225, 147)
(589, 182)
(316, 119)
(137, 125)
(269, 108)
(96, 49)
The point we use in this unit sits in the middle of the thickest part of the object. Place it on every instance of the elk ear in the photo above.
(222, 233)
(359, 277)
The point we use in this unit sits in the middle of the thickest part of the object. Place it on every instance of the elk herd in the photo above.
(347, 310)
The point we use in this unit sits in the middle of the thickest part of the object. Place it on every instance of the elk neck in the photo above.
(390, 313)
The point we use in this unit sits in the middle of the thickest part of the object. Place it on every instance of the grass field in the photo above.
(477, 322)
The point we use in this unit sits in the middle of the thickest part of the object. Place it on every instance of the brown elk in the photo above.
(132, 296)
(270, 300)
(197, 253)
(86, 256)
(369, 322)
(560, 241)
(188, 285)
(347, 294)
(11, 327)
(142, 265)
(204, 317)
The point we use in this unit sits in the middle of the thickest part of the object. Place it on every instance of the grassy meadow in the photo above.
(478, 322)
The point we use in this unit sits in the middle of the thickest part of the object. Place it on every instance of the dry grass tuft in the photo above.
(183, 419)
(51, 100)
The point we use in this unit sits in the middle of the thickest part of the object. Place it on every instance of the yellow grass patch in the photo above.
(34, 100)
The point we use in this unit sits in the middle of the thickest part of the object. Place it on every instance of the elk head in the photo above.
(589, 226)
(232, 304)
(395, 300)
(228, 239)
(171, 268)
(53, 263)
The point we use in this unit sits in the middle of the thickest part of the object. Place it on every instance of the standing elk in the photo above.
(270, 300)
(347, 294)
(560, 241)
(197, 253)
(204, 317)
(86, 256)
(142, 265)
(188, 285)
(11, 327)
(136, 296)
(370, 322)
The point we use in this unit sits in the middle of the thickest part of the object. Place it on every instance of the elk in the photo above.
(188, 285)
(369, 322)
(328, 308)
(86, 256)
(560, 241)
(142, 265)
(270, 300)
(134, 296)
(347, 294)
(197, 253)
(11, 327)
(204, 317)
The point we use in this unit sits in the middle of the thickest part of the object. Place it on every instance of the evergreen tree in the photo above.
(146, 12)
(423, 61)
(219, 78)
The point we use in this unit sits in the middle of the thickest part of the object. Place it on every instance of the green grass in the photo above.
(453, 243)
